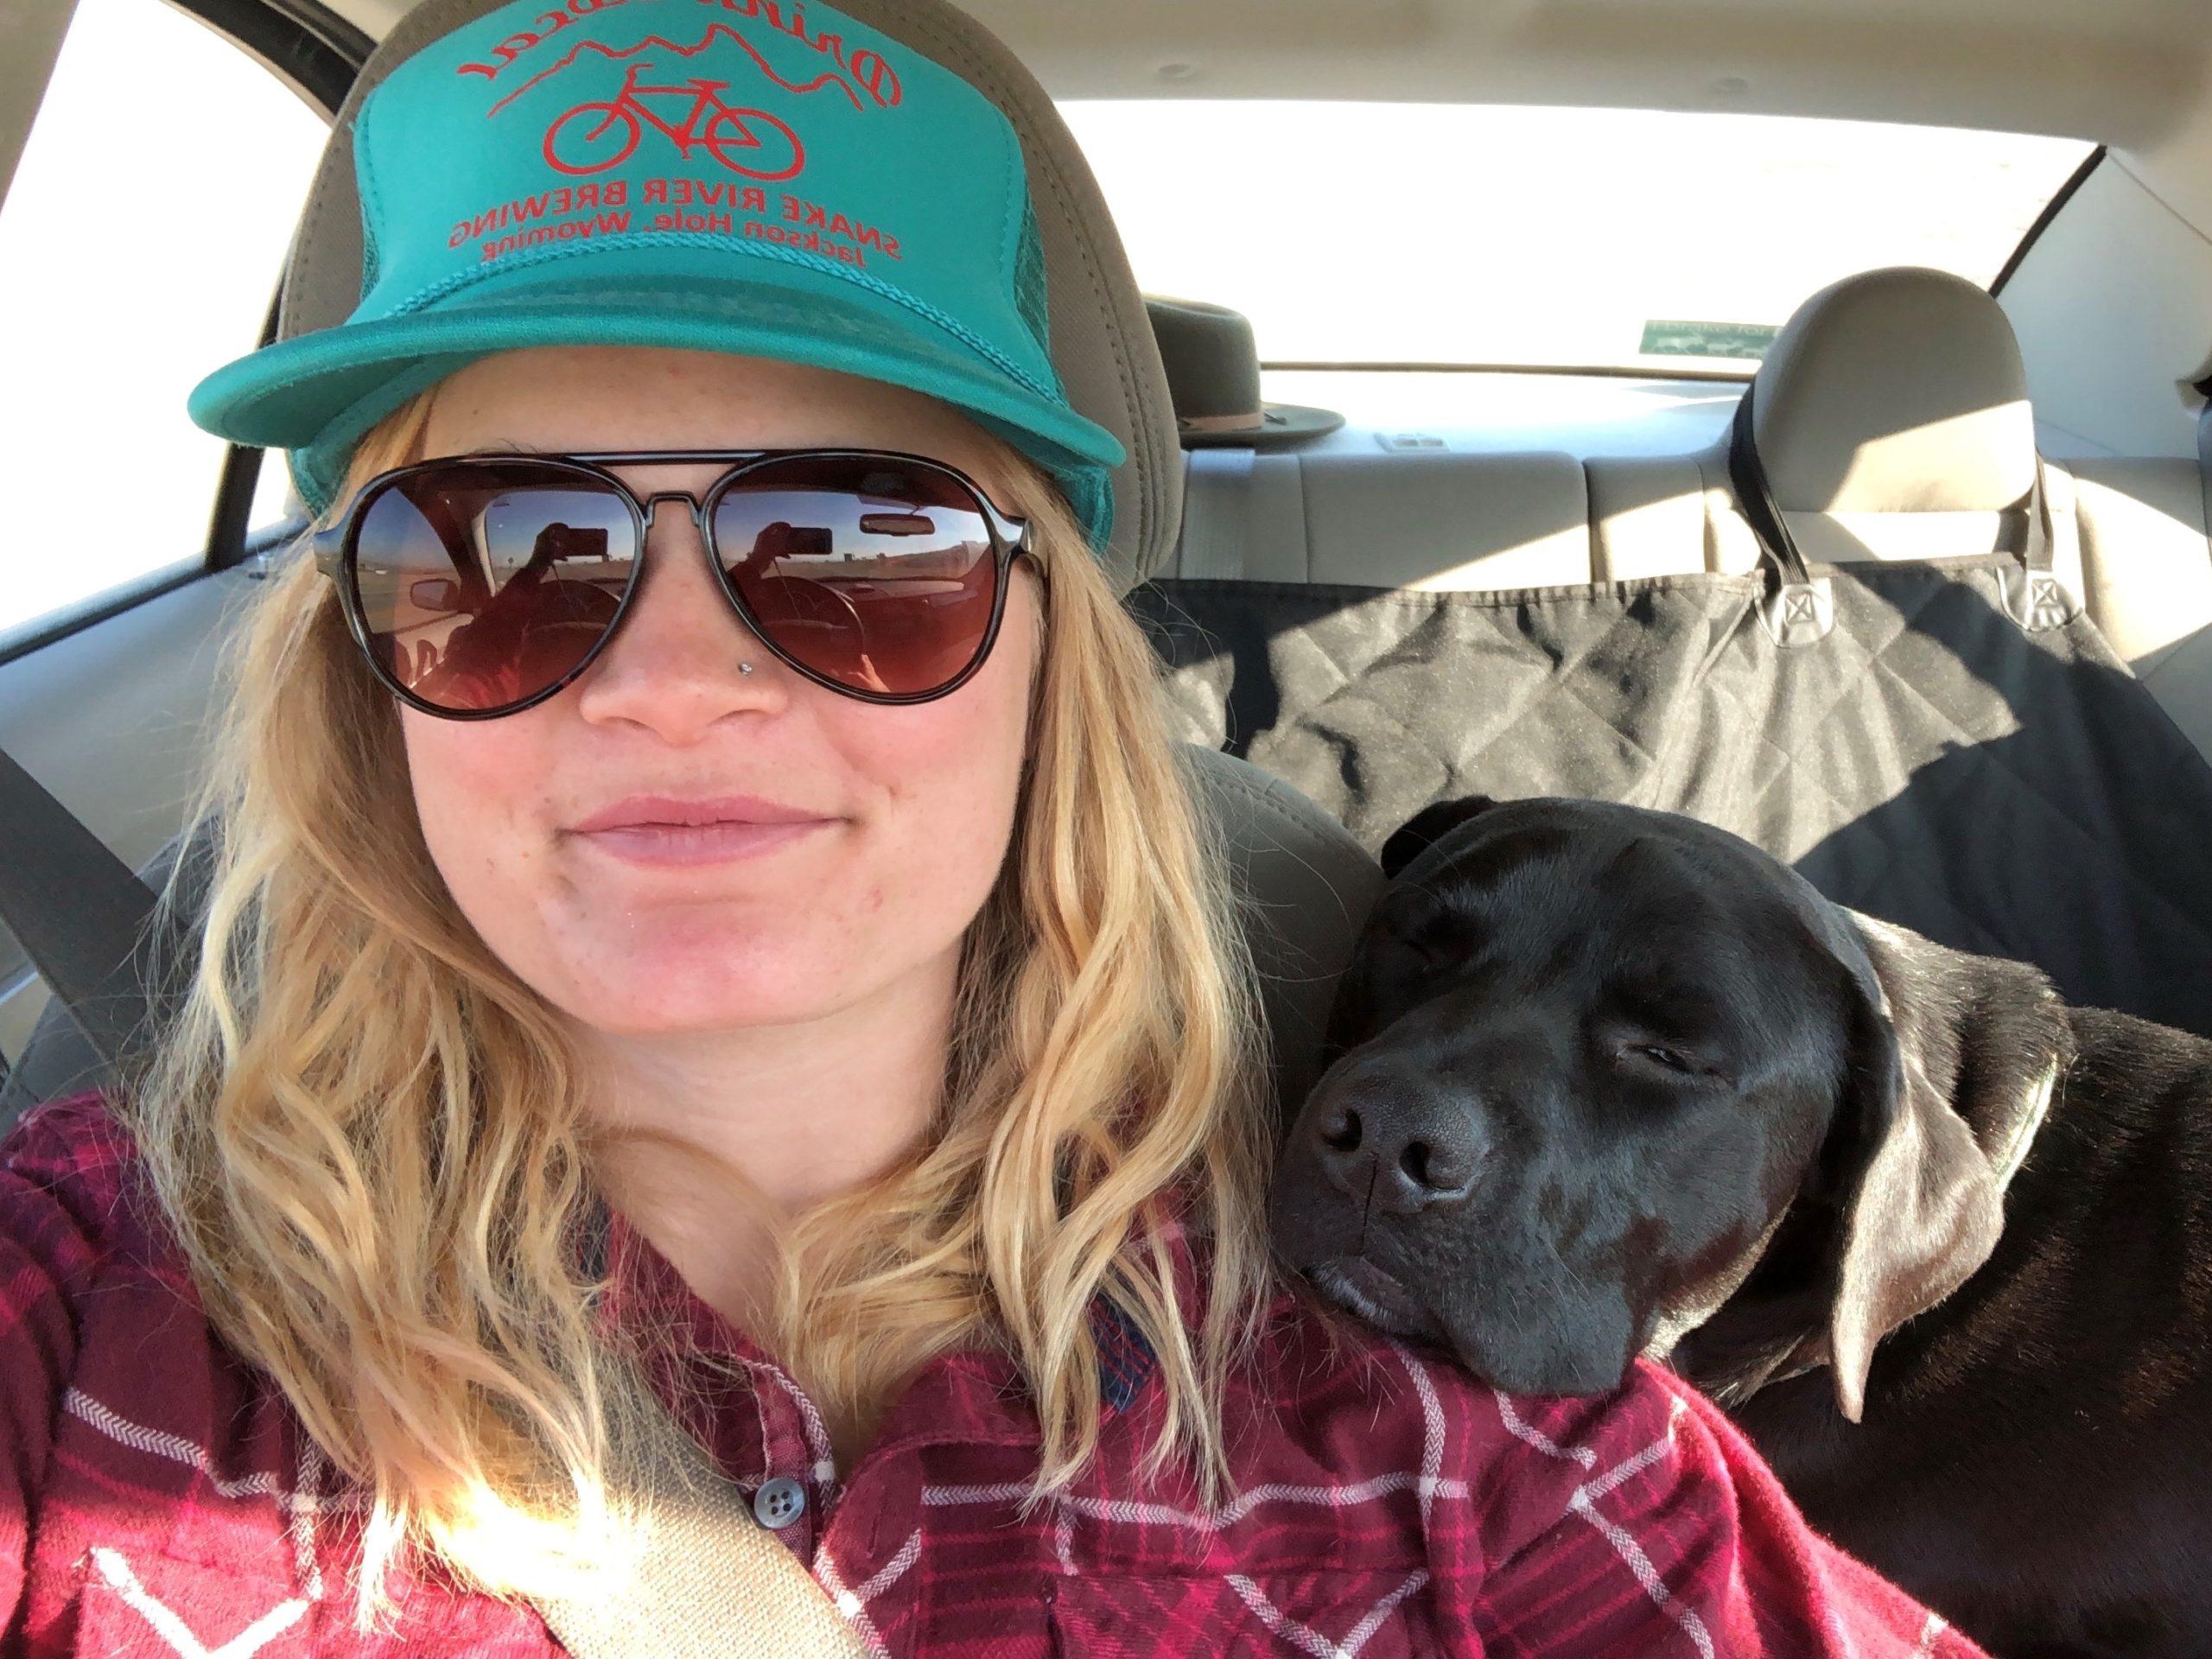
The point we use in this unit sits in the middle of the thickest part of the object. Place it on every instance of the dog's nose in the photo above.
(1409, 1150)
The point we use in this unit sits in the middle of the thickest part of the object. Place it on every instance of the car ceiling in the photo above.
(2123, 72)
(2134, 75)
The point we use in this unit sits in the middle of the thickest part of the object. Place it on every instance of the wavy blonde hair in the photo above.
(373, 1141)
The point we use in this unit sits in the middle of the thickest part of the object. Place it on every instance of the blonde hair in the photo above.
(373, 1138)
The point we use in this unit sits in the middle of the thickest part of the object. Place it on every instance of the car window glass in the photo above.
(139, 246)
(1582, 238)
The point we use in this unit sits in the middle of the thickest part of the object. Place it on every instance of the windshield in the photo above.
(1465, 234)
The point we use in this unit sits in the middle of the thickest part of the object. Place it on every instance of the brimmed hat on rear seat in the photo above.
(806, 184)
(1213, 372)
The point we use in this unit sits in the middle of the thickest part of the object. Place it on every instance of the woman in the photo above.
(719, 936)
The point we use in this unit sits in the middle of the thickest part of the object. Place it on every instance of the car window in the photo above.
(140, 244)
(1412, 233)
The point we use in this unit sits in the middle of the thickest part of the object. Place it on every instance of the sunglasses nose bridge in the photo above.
(651, 504)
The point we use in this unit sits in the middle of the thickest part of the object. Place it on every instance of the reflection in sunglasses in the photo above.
(559, 543)
(898, 524)
(487, 585)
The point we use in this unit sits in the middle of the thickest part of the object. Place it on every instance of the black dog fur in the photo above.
(1609, 1082)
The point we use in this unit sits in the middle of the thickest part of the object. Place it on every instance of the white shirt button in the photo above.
(779, 1503)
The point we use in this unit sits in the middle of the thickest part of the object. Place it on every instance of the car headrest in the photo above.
(1102, 343)
(1303, 888)
(1896, 390)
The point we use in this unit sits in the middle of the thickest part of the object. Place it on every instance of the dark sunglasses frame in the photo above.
(335, 549)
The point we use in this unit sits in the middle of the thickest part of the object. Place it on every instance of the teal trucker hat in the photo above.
(734, 176)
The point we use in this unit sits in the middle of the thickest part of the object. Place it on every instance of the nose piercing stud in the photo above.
(745, 668)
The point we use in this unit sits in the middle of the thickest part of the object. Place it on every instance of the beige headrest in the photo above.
(1898, 391)
(1102, 341)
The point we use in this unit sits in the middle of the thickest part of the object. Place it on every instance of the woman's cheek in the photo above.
(467, 777)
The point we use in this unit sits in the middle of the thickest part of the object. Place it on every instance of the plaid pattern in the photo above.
(158, 1497)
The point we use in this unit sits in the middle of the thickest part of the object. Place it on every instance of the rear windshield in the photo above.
(1463, 234)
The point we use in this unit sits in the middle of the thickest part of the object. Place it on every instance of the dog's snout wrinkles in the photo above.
(1409, 1147)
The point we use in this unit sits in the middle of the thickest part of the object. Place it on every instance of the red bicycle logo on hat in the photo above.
(592, 137)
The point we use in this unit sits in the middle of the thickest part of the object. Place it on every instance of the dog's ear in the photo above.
(1426, 827)
(1941, 1043)
(1921, 1206)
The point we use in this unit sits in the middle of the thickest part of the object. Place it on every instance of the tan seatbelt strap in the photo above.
(711, 1583)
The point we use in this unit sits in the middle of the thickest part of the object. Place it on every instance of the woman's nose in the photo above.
(676, 665)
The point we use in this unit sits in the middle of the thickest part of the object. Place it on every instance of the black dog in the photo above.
(1610, 1082)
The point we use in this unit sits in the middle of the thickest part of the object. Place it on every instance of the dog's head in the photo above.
(1602, 1073)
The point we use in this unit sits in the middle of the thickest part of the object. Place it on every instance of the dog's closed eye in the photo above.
(1664, 1060)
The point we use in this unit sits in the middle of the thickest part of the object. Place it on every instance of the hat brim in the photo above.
(317, 395)
(1282, 424)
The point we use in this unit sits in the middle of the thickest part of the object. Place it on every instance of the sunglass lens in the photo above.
(482, 585)
(876, 573)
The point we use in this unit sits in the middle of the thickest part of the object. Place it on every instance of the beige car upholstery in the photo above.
(1896, 391)
(1430, 521)
(1893, 418)
(1893, 421)
(1666, 515)
(2147, 564)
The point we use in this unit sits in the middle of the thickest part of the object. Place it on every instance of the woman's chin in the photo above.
(628, 1012)
(636, 985)
(695, 991)
(678, 971)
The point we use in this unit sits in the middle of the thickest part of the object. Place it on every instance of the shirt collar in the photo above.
(699, 1362)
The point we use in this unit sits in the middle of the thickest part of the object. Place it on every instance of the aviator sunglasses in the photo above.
(479, 585)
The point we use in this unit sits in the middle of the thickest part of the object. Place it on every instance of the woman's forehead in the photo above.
(586, 397)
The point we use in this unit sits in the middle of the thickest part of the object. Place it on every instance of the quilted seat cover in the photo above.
(1930, 761)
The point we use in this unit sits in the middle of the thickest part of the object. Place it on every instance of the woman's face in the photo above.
(877, 832)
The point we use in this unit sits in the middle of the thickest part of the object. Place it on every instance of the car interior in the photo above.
(1976, 502)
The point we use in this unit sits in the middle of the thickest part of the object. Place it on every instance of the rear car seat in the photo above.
(1895, 425)
(1279, 509)
(1895, 422)
(1440, 521)
(2146, 562)
(1952, 744)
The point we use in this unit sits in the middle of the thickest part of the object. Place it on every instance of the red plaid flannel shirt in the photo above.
(157, 1496)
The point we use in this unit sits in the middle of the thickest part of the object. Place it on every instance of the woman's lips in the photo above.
(663, 831)
(697, 843)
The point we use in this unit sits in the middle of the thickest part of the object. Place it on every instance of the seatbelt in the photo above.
(1217, 514)
(710, 1582)
(1243, 518)
(81, 914)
